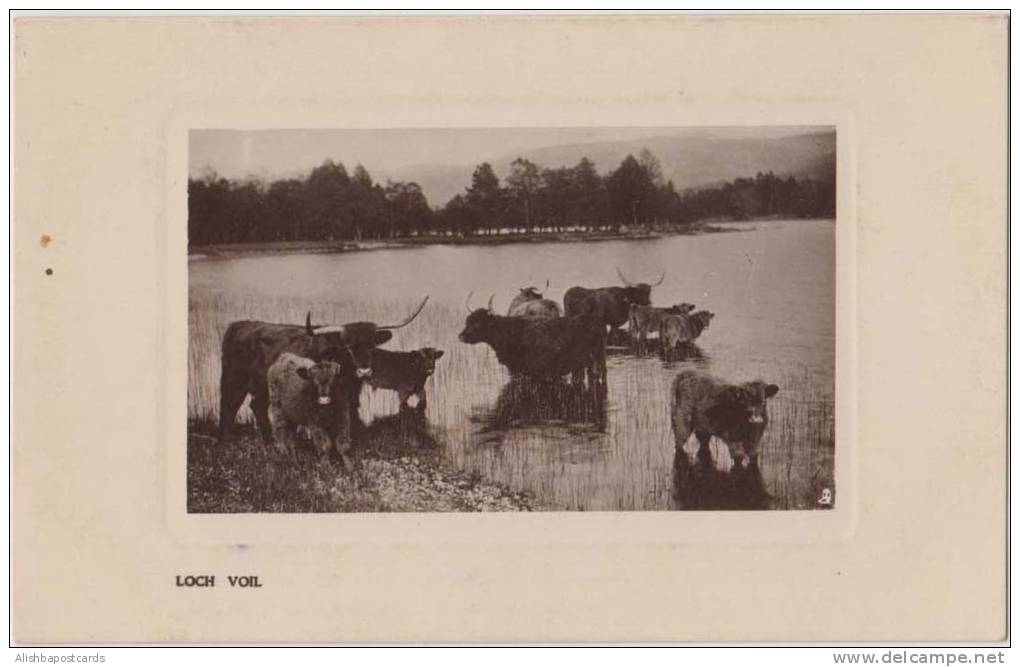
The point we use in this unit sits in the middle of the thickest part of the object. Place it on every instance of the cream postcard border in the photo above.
(797, 526)
(101, 107)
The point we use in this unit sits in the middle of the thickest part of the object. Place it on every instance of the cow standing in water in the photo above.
(707, 406)
(609, 305)
(542, 348)
(646, 319)
(251, 347)
(405, 373)
(679, 331)
(532, 304)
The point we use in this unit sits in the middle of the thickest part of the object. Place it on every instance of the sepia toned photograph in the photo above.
(511, 319)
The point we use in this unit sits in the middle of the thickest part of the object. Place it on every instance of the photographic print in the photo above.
(511, 319)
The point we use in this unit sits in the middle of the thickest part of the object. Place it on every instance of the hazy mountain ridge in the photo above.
(690, 161)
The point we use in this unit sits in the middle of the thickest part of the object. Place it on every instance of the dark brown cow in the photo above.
(542, 348)
(609, 305)
(707, 406)
(405, 373)
(251, 347)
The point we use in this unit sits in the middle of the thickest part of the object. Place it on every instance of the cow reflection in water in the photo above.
(401, 433)
(700, 485)
(407, 432)
(686, 352)
(527, 401)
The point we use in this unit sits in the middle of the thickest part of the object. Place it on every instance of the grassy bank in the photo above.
(396, 469)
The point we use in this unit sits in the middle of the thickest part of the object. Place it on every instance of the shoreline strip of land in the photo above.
(228, 250)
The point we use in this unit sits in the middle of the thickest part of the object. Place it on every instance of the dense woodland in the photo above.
(330, 204)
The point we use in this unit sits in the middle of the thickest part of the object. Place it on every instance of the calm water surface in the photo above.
(770, 284)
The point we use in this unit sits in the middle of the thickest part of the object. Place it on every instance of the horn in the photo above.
(329, 329)
(625, 281)
(546, 288)
(490, 301)
(467, 301)
(661, 278)
(324, 329)
(315, 331)
(409, 319)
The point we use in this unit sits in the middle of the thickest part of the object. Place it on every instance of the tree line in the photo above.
(329, 204)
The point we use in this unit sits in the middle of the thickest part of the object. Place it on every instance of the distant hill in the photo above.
(821, 169)
(691, 160)
(439, 182)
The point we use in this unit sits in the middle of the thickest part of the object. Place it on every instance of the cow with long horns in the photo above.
(532, 304)
(251, 347)
(542, 348)
(609, 305)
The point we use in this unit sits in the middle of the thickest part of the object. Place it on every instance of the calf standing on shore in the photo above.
(405, 373)
(706, 406)
(309, 394)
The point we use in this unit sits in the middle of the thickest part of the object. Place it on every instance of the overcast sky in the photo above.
(269, 154)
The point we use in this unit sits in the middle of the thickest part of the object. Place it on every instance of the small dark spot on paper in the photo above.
(45, 240)
(49, 272)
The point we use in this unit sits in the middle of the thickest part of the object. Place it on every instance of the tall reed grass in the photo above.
(627, 464)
